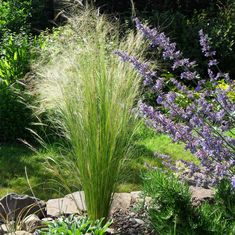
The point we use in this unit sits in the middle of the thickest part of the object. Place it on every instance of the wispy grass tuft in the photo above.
(91, 95)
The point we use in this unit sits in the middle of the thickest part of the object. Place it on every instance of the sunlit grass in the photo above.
(15, 161)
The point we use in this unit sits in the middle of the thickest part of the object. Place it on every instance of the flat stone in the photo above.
(110, 231)
(20, 233)
(135, 196)
(61, 206)
(79, 199)
(14, 206)
(3, 229)
(121, 201)
(47, 219)
(200, 194)
(139, 221)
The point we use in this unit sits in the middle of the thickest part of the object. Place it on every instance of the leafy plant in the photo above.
(171, 210)
(73, 225)
(90, 95)
(15, 57)
(14, 64)
(14, 114)
(15, 15)
(225, 198)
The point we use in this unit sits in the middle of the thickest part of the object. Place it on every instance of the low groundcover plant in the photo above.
(73, 225)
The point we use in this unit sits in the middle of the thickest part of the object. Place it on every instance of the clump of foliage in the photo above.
(15, 57)
(14, 64)
(171, 206)
(14, 16)
(171, 210)
(90, 95)
(195, 110)
(76, 226)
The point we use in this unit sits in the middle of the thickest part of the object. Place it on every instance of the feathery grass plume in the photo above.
(90, 95)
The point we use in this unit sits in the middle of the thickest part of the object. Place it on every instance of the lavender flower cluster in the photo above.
(203, 124)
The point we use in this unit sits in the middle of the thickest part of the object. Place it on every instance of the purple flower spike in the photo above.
(233, 181)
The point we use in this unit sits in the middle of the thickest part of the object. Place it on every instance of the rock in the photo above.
(200, 195)
(135, 196)
(3, 229)
(121, 201)
(20, 233)
(75, 204)
(14, 207)
(31, 223)
(47, 219)
(139, 221)
(79, 198)
(110, 231)
(61, 206)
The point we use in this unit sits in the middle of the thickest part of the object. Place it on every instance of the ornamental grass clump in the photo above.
(190, 107)
(90, 96)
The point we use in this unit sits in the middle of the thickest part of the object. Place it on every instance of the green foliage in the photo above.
(15, 57)
(14, 159)
(73, 225)
(14, 64)
(14, 15)
(171, 210)
(213, 221)
(225, 198)
(14, 116)
(219, 218)
(218, 20)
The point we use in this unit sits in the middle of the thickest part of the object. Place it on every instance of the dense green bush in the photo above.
(14, 64)
(181, 20)
(15, 57)
(17, 18)
(14, 15)
(171, 210)
(73, 225)
(14, 116)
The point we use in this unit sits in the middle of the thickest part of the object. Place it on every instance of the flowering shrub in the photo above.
(203, 124)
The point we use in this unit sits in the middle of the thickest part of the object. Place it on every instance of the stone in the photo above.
(79, 198)
(20, 233)
(110, 231)
(200, 195)
(121, 201)
(47, 219)
(31, 223)
(61, 206)
(15, 207)
(75, 204)
(139, 221)
(3, 229)
(135, 196)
